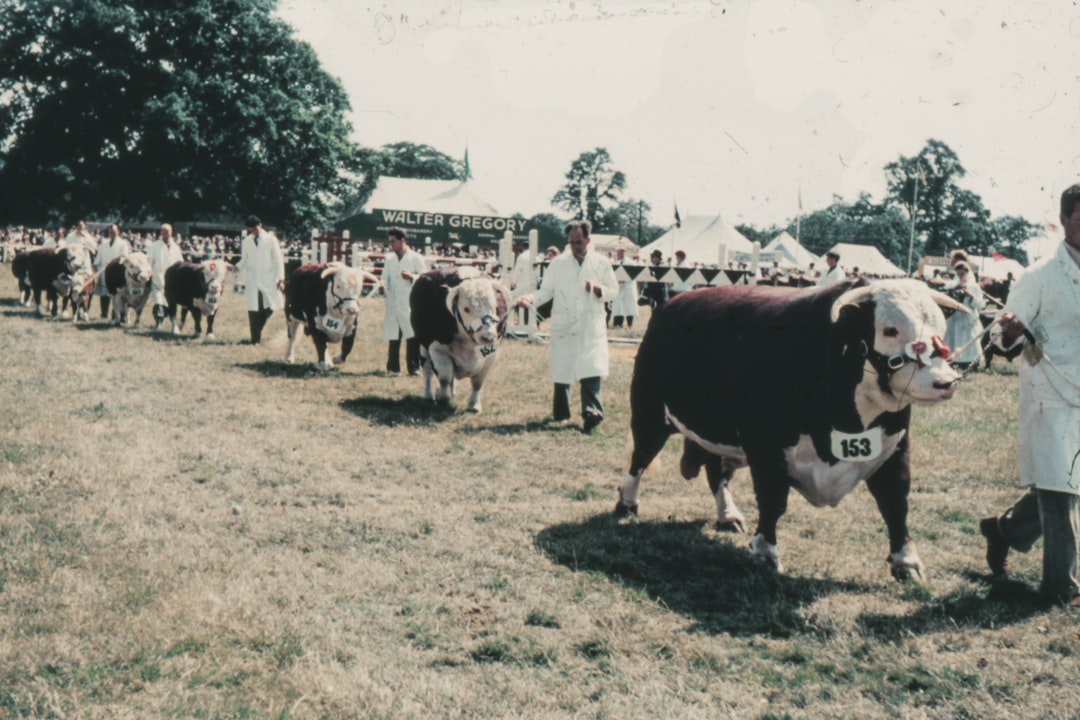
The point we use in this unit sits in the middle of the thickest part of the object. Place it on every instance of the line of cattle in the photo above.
(844, 363)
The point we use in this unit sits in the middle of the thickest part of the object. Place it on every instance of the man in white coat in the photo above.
(624, 306)
(112, 247)
(401, 267)
(1044, 308)
(962, 329)
(835, 272)
(164, 252)
(578, 283)
(262, 270)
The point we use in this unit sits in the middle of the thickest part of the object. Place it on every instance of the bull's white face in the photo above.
(475, 305)
(343, 291)
(137, 269)
(908, 331)
(214, 273)
(78, 259)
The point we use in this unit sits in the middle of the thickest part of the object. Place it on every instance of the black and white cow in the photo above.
(195, 287)
(324, 298)
(56, 272)
(811, 387)
(459, 317)
(127, 280)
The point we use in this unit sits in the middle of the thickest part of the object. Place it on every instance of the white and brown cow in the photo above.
(459, 317)
(127, 280)
(195, 287)
(325, 299)
(812, 388)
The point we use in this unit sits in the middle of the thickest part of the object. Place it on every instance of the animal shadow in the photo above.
(531, 426)
(411, 410)
(94, 325)
(1007, 602)
(674, 563)
(279, 369)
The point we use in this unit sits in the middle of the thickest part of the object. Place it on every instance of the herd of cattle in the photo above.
(811, 388)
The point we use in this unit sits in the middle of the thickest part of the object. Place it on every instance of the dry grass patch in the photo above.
(197, 530)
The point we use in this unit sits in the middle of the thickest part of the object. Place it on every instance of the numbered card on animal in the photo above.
(857, 447)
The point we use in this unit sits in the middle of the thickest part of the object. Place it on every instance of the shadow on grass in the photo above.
(1007, 602)
(412, 410)
(96, 325)
(711, 581)
(11, 302)
(280, 369)
(531, 426)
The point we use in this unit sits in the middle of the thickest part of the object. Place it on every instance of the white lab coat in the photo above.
(108, 250)
(522, 277)
(397, 289)
(81, 238)
(161, 255)
(579, 346)
(1046, 299)
(961, 328)
(625, 302)
(832, 275)
(261, 268)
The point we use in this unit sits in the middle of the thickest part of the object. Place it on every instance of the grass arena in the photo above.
(197, 530)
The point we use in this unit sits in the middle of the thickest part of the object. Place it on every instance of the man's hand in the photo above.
(1011, 328)
(407, 275)
(524, 302)
(594, 289)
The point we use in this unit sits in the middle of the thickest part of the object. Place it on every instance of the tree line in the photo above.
(212, 110)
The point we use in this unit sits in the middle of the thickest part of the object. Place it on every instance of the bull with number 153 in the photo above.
(811, 388)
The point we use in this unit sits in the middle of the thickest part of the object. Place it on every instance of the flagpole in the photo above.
(914, 210)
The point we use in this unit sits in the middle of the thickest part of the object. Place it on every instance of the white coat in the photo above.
(522, 277)
(109, 250)
(832, 275)
(579, 346)
(625, 302)
(261, 268)
(162, 255)
(963, 328)
(1046, 299)
(397, 289)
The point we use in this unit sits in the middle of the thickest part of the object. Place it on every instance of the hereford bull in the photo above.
(325, 299)
(812, 388)
(127, 280)
(195, 287)
(459, 317)
(52, 271)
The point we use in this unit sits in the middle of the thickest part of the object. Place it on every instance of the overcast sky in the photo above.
(729, 107)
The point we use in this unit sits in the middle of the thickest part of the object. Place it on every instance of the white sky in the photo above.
(722, 106)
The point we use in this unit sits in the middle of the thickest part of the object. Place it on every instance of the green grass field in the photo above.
(195, 530)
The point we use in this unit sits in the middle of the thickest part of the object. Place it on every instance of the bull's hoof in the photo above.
(623, 510)
(338, 359)
(209, 337)
(769, 562)
(289, 359)
(735, 525)
(476, 409)
(908, 573)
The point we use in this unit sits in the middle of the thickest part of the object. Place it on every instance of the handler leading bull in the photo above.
(812, 388)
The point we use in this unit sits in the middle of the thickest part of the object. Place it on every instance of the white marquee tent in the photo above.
(701, 238)
(789, 253)
(867, 258)
(988, 267)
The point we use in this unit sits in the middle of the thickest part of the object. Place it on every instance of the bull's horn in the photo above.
(331, 269)
(947, 302)
(856, 296)
(369, 277)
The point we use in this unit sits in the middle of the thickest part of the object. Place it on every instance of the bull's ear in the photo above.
(451, 298)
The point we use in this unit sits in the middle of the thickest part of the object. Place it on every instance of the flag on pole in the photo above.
(678, 220)
(998, 256)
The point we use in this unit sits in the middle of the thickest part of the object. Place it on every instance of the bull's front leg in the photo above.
(890, 486)
(209, 325)
(443, 366)
(320, 350)
(119, 309)
(478, 384)
(196, 319)
(346, 348)
(771, 489)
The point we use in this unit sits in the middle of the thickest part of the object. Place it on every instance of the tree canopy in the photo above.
(593, 187)
(168, 109)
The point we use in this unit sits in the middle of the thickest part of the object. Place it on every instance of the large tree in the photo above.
(593, 186)
(168, 109)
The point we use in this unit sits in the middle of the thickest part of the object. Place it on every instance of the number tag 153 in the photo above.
(856, 447)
